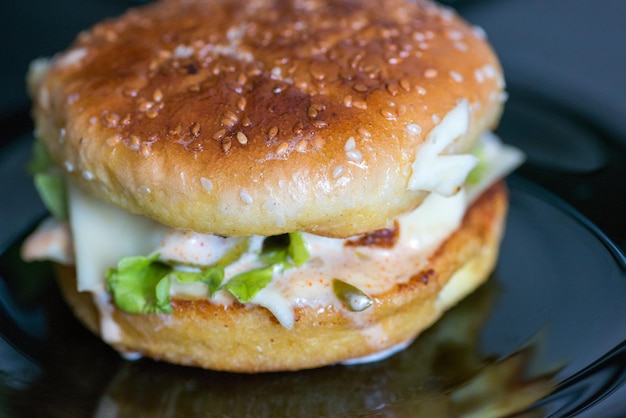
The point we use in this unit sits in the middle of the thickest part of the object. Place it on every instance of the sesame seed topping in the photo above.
(430, 73)
(242, 138)
(318, 141)
(389, 113)
(229, 123)
(364, 133)
(361, 88)
(312, 112)
(68, 166)
(113, 140)
(320, 124)
(245, 196)
(272, 133)
(246, 121)
(195, 129)
(157, 95)
(350, 144)
(392, 89)
(347, 101)
(219, 134)
(241, 103)
(436, 119)
(421, 91)
(206, 184)
(282, 148)
(231, 115)
(337, 171)
(414, 129)
(301, 146)
(405, 84)
(456, 76)
(145, 149)
(226, 144)
(298, 127)
(359, 104)
(145, 105)
(87, 175)
(354, 155)
(152, 113)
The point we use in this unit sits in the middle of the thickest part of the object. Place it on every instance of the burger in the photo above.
(269, 185)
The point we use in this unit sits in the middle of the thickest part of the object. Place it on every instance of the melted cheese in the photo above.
(437, 172)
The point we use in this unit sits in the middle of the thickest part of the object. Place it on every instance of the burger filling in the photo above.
(141, 265)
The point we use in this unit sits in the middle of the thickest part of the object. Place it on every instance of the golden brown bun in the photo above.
(249, 339)
(232, 117)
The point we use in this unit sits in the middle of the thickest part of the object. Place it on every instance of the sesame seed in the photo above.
(414, 129)
(282, 148)
(157, 95)
(350, 144)
(337, 171)
(301, 146)
(272, 133)
(242, 138)
(206, 184)
(152, 113)
(246, 121)
(360, 104)
(361, 88)
(145, 149)
(113, 140)
(298, 127)
(460, 46)
(479, 32)
(111, 120)
(389, 113)
(144, 189)
(312, 112)
(478, 75)
(219, 134)
(229, 123)
(126, 120)
(241, 79)
(436, 119)
(354, 155)
(318, 141)
(421, 91)
(135, 141)
(363, 132)
(87, 175)
(430, 73)
(347, 101)
(226, 144)
(231, 115)
(320, 124)
(241, 103)
(456, 76)
(195, 129)
(68, 166)
(145, 105)
(489, 71)
(245, 196)
(392, 89)
(405, 84)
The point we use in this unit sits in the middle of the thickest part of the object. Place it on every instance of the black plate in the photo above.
(545, 336)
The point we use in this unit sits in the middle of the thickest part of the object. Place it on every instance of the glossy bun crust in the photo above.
(249, 339)
(236, 117)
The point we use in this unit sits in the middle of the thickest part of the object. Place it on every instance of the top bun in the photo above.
(259, 117)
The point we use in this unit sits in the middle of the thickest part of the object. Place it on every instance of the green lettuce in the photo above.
(49, 183)
(141, 285)
(482, 168)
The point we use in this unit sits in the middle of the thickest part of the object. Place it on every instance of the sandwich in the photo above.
(270, 185)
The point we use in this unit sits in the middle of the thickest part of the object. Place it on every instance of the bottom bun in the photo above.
(245, 338)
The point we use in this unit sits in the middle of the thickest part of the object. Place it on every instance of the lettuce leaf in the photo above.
(140, 285)
(245, 286)
(49, 183)
(212, 277)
